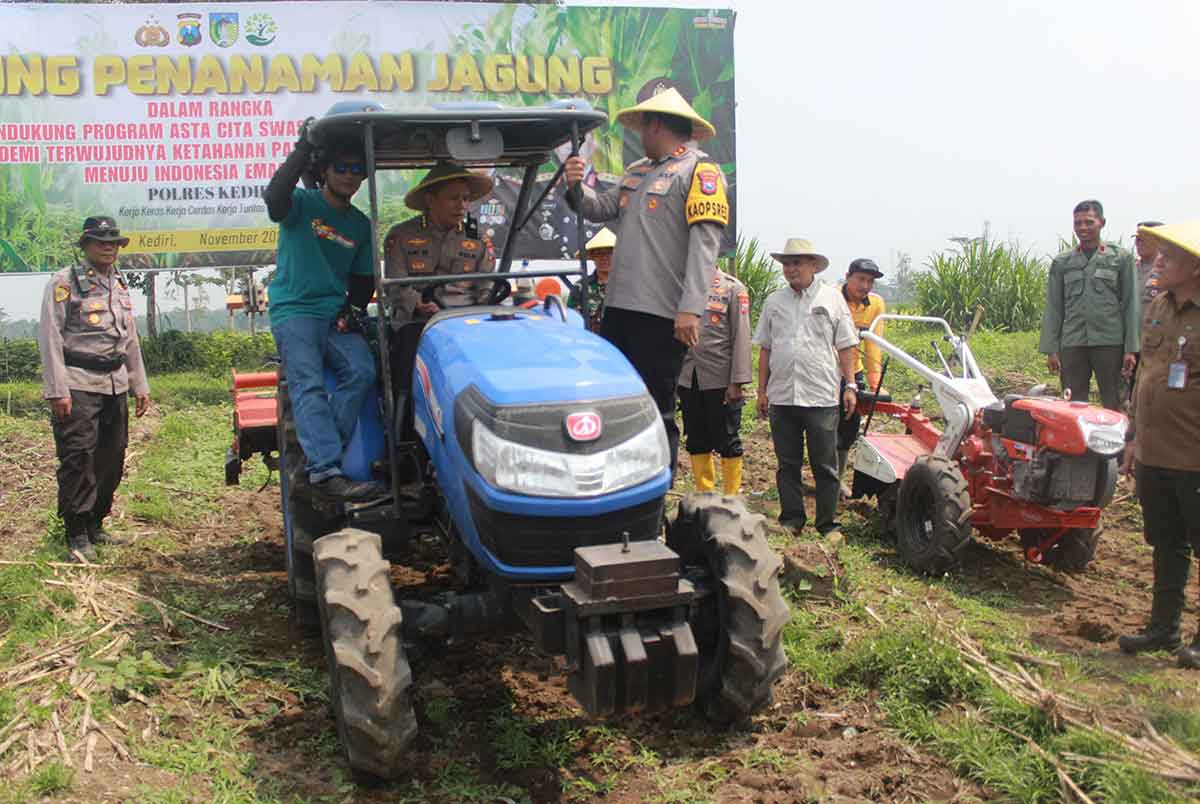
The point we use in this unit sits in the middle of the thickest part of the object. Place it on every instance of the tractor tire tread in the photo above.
(952, 500)
(746, 570)
(370, 678)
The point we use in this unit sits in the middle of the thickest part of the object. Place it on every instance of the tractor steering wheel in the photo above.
(429, 295)
(554, 301)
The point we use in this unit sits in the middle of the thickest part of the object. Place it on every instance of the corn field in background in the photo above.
(754, 268)
(1006, 280)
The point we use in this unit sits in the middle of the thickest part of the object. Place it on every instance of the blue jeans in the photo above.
(324, 421)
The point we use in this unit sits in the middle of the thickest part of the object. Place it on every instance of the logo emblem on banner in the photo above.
(189, 29)
(152, 34)
(261, 29)
(223, 28)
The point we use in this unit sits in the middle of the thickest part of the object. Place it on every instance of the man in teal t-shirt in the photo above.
(324, 257)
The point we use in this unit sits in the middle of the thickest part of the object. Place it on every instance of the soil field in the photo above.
(172, 672)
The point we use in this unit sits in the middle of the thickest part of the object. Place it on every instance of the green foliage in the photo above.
(213, 353)
(1009, 283)
(51, 779)
(756, 269)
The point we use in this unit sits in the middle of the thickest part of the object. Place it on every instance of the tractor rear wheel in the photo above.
(302, 523)
(369, 675)
(933, 515)
(739, 627)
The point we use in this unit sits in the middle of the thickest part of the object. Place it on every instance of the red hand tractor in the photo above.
(1029, 464)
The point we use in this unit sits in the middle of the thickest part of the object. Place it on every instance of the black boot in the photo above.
(1189, 657)
(98, 535)
(340, 487)
(1162, 633)
(78, 544)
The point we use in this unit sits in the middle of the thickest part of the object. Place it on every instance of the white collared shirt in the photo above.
(804, 332)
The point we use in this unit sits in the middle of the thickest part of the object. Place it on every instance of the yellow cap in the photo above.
(1184, 235)
(669, 101)
(603, 239)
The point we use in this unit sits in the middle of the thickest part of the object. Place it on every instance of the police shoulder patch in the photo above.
(62, 293)
(706, 199)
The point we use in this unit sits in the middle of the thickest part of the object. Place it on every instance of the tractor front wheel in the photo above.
(369, 675)
(933, 515)
(739, 627)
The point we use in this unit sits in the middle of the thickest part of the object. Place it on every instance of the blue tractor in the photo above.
(530, 447)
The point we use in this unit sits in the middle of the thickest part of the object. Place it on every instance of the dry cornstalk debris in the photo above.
(1152, 752)
(89, 756)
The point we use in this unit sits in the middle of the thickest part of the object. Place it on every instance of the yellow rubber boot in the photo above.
(731, 475)
(704, 470)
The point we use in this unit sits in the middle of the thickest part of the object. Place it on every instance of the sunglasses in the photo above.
(353, 168)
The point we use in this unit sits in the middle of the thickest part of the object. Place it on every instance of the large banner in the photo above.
(174, 117)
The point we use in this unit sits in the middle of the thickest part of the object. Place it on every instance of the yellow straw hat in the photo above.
(669, 101)
(603, 239)
(1184, 235)
(478, 184)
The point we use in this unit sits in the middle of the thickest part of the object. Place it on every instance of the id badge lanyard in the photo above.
(1177, 372)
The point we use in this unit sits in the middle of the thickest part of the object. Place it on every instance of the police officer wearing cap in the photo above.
(865, 306)
(440, 241)
(1090, 325)
(91, 361)
(669, 212)
(1164, 431)
(710, 386)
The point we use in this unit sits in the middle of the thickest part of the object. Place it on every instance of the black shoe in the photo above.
(1189, 657)
(1153, 638)
(340, 487)
(79, 548)
(98, 535)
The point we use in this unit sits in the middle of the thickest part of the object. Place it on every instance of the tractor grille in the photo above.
(549, 541)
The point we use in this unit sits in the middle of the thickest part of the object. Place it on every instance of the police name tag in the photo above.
(1177, 372)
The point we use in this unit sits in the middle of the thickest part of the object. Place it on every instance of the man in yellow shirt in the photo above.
(865, 306)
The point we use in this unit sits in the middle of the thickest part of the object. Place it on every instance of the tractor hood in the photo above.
(521, 358)
(1073, 428)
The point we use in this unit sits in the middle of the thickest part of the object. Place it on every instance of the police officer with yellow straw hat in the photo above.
(670, 211)
(91, 361)
(1164, 435)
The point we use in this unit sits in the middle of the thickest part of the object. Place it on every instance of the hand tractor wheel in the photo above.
(369, 675)
(739, 627)
(302, 523)
(1073, 551)
(933, 515)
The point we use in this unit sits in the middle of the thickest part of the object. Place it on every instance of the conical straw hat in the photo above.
(669, 101)
(603, 239)
(478, 184)
(1184, 235)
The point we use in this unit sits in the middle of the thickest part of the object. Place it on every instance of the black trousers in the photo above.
(848, 429)
(90, 446)
(1079, 363)
(648, 342)
(708, 423)
(1170, 501)
(791, 427)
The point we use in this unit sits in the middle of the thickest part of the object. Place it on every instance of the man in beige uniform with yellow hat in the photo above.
(710, 386)
(670, 211)
(440, 241)
(91, 360)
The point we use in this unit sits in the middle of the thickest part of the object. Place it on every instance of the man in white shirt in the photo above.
(807, 344)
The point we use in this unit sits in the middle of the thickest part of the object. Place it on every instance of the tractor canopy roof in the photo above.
(479, 134)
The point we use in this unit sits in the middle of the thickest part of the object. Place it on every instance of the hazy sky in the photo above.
(876, 126)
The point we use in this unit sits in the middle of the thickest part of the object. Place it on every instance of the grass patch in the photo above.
(168, 391)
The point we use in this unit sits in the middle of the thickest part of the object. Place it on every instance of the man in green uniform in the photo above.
(670, 212)
(1165, 433)
(710, 386)
(599, 251)
(91, 361)
(1090, 325)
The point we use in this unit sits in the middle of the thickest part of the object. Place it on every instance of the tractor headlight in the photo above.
(542, 473)
(1103, 439)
